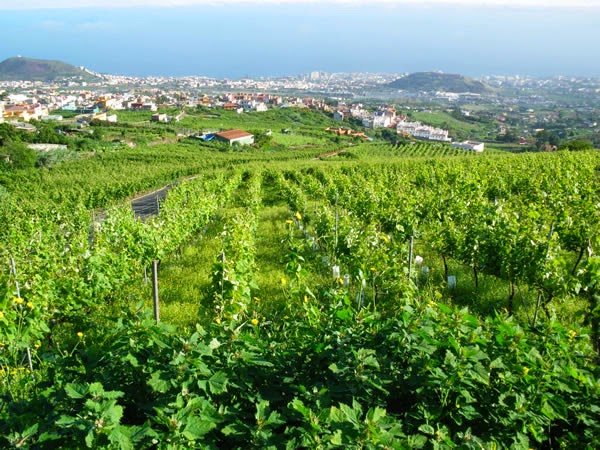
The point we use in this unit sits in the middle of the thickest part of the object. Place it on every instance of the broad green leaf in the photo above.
(196, 427)
(76, 390)
(157, 383)
(218, 383)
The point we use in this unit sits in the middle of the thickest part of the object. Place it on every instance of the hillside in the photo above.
(436, 81)
(29, 69)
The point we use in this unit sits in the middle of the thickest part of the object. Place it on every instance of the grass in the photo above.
(444, 120)
(298, 140)
(274, 119)
(185, 279)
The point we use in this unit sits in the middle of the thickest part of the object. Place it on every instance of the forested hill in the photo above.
(436, 81)
(28, 69)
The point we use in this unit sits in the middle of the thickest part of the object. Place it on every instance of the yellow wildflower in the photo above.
(36, 345)
(254, 321)
(1, 315)
(289, 221)
(19, 300)
(372, 269)
(256, 299)
(572, 334)
(525, 370)
(305, 299)
(79, 334)
(30, 305)
(298, 215)
(283, 281)
(218, 321)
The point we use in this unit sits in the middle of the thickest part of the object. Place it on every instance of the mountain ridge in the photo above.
(30, 69)
(439, 81)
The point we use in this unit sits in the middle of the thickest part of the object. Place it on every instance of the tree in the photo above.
(8, 133)
(577, 145)
(17, 155)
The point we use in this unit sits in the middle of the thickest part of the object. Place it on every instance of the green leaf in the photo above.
(450, 359)
(76, 390)
(120, 437)
(352, 414)
(132, 360)
(497, 364)
(336, 439)
(218, 383)
(299, 406)
(334, 368)
(344, 314)
(336, 415)
(261, 410)
(114, 413)
(89, 439)
(427, 429)
(196, 427)
(157, 383)
(374, 415)
(66, 421)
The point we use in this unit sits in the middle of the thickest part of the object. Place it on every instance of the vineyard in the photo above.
(410, 296)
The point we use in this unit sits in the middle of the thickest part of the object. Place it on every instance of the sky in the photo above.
(238, 38)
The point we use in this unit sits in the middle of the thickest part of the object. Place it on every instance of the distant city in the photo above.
(511, 108)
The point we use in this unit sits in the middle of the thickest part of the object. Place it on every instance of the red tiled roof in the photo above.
(233, 134)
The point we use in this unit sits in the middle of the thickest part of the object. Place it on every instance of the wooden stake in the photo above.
(18, 289)
(539, 299)
(410, 254)
(155, 290)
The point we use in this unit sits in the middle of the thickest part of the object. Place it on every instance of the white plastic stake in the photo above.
(451, 281)
(13, 267)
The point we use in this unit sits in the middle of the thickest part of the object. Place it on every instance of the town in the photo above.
(516, 113)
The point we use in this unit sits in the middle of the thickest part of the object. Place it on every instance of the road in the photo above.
(148, 204)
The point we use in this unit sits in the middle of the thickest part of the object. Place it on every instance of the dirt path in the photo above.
(329, 155)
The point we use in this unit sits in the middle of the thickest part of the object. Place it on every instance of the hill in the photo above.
(29, 69)
(436, 81)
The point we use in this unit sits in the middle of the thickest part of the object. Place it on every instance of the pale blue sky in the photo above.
(258, 38)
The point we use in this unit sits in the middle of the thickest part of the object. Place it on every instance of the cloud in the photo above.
(105, 4)
(95, 26)
(52, 25)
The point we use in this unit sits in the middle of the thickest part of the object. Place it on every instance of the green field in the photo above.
(294, 312)
(460, 129)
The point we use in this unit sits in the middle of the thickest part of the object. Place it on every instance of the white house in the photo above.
(235, 136)
(160, 117)
(472, 146)
(421, 131)
(381, 120)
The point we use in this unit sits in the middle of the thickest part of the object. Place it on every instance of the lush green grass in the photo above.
(444, 120)
(293, 119)
(298, 140)
(414, 366)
